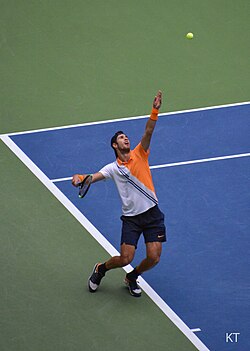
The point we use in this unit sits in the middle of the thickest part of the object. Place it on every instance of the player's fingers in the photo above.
(73, 181)
(76, 180)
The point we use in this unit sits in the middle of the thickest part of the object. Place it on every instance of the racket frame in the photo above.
(81, 185)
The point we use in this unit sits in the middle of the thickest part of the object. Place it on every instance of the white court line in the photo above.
(196, 330)
(130, 118)
(220, 158)
(103, 242)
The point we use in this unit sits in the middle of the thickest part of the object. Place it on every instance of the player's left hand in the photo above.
(76, 179)
(157, 100)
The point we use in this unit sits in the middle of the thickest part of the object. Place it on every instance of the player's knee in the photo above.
(126, 259)
(154, 259)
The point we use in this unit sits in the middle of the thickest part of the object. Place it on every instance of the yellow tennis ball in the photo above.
(189, 35)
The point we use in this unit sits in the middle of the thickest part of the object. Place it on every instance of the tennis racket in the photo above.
(85, 185)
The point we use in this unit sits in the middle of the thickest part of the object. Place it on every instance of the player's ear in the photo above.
(114, 145)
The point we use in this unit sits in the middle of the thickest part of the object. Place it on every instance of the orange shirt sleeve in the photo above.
(140, 151)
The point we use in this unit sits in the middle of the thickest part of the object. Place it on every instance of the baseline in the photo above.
(130, 118)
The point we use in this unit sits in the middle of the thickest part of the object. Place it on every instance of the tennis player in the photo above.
(140, 212)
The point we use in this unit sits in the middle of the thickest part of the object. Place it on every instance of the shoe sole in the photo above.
(130, 291)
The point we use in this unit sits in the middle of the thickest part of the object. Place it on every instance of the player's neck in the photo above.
(124, 156)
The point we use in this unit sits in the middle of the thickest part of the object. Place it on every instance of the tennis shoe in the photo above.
(133, 287)
(95, 279)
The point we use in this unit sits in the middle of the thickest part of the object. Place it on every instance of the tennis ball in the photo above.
(189, 35)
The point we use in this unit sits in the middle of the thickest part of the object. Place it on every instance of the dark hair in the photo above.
(114, 140)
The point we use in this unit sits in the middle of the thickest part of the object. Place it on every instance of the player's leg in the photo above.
(154, 234)
(99, 270)
(153, 257)
(154, 250)
(125, 258)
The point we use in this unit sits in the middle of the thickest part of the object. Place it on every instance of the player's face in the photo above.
(123, 143)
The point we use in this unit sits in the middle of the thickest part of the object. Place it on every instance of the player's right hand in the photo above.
(77, 179)
(157, 100)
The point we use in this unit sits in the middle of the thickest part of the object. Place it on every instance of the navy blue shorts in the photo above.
(150, 223)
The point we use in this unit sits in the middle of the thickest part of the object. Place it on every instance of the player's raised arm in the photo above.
(145, 142)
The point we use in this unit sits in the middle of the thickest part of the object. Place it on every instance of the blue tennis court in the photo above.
(200, 165)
